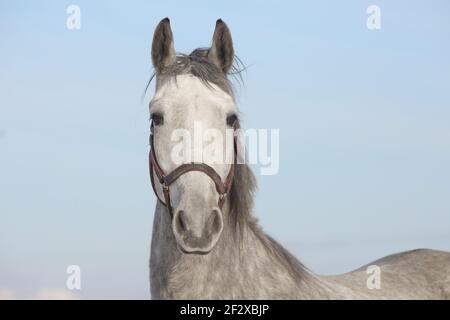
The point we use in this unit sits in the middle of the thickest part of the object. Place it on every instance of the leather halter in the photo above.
(222, 188)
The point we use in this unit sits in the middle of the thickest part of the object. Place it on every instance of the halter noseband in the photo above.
(223, 189)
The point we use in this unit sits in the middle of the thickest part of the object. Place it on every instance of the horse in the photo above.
(206, 241)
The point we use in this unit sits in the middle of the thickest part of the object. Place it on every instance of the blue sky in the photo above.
(364, 119)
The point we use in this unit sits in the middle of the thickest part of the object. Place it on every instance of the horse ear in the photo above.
(222, 52)
(163, 50)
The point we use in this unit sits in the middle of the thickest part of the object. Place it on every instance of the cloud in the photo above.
(43, 294)
(7, 294)
(55, 294)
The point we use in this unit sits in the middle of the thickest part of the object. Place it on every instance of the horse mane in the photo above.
(198, 64)
(241, 206)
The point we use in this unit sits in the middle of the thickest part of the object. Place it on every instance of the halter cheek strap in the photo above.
(223, 189)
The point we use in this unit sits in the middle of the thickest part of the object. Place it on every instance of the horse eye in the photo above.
(231, 120)
(157, 119)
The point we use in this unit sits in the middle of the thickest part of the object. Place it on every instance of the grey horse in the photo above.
(206, 242)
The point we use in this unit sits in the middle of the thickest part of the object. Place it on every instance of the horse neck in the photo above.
(238, 267)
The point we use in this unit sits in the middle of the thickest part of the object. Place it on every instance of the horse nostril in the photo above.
(215, 222)
(181, 223)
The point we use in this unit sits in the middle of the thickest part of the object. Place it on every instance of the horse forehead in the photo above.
(189, 91)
